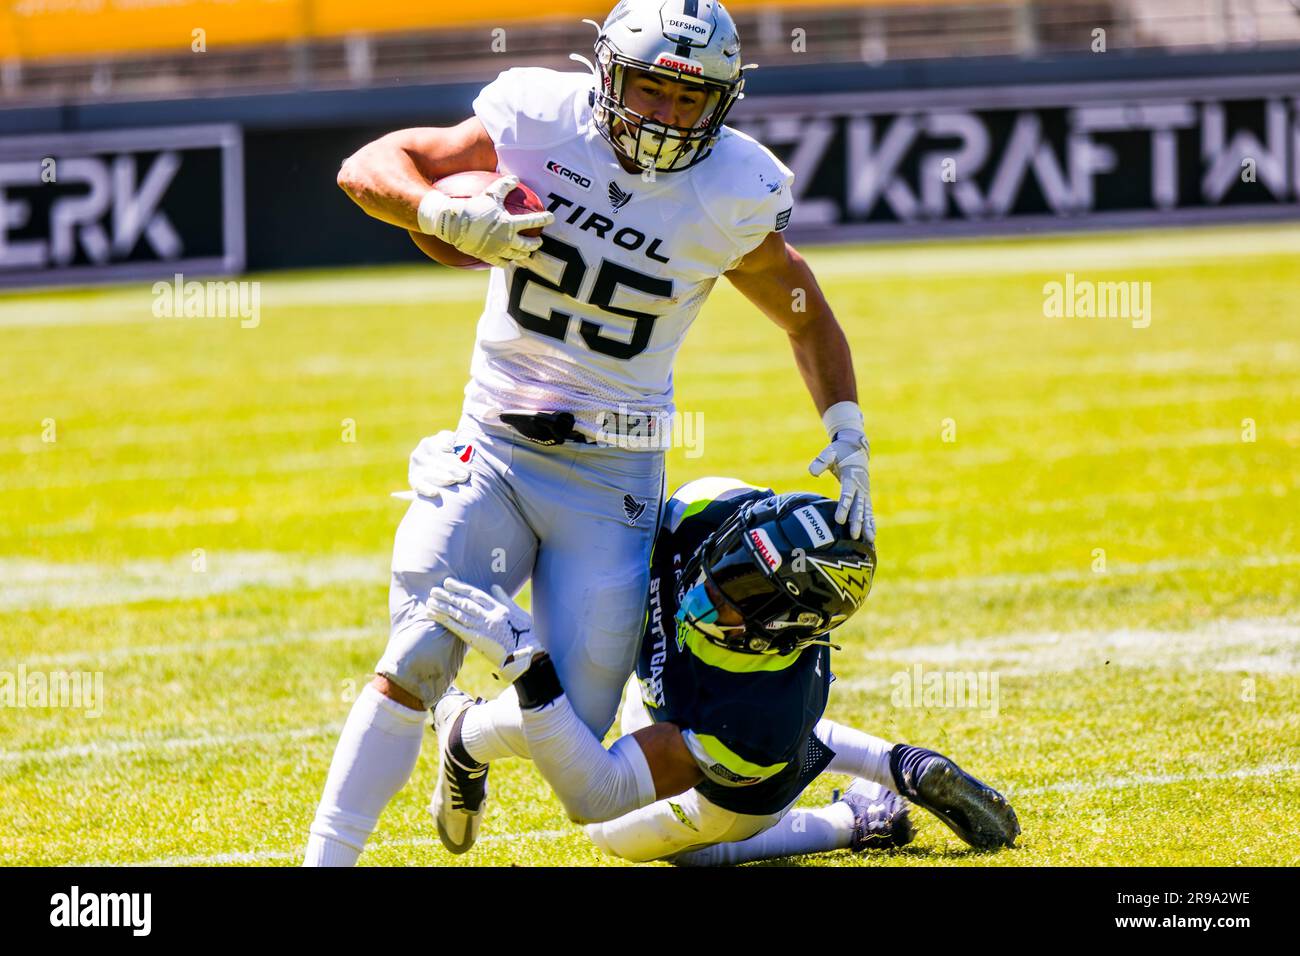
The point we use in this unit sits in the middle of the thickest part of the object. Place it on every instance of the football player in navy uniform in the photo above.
(723, 726)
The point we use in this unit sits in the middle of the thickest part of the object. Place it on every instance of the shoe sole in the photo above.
(451, 845)
(978, 814)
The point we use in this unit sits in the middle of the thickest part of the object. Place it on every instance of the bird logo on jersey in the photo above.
(633, 509)
(850, 577)
(618, 197)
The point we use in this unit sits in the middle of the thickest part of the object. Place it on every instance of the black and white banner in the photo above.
(1061, 156)
(121, 204)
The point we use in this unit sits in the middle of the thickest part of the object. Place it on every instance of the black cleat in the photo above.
(880, 818)
(973, 810)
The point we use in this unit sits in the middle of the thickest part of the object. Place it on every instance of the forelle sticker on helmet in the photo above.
(766, 549)
(681, 65)
(819, 533)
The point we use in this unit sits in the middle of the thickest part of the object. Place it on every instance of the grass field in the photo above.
(180, 513)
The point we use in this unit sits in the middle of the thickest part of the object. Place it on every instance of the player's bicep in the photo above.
(769, 254)
(441, 151)
(671, 764)
(777, 280)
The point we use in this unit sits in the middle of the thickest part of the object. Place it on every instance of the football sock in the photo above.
(856, 754)
(906, 763)
(375, 756)
(494, 729)
(799, 831)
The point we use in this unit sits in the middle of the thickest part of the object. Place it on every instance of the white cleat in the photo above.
(460, 796)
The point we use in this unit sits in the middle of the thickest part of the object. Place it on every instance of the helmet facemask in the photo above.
(776, 621)
(649, 144)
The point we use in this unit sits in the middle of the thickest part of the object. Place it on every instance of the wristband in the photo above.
(844, 416)
(431, 207)
(539, 685)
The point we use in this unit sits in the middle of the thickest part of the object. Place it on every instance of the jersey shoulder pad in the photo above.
(694, 496)
(748, 190)
(530, 106)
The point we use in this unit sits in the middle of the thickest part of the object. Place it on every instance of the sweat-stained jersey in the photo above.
(593, 323)
(748, 719)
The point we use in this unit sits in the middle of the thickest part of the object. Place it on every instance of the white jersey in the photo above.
(593, 323)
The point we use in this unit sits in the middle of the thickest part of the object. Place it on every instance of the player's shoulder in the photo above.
(527, 106)
(696, 496)
(742, 168)
(745, 184)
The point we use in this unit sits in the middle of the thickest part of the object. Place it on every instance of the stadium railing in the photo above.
(62, 52)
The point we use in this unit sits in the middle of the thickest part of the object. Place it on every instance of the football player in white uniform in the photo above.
(555, 473)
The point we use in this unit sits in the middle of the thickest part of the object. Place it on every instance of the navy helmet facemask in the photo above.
(785, 567)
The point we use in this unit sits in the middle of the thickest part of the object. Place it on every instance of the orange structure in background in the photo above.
(36, 29)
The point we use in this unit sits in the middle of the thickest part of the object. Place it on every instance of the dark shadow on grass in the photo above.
(917, 853)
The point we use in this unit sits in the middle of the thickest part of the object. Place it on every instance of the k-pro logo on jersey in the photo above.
(564, 172)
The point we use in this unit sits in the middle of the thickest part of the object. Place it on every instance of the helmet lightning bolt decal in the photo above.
(851, 577)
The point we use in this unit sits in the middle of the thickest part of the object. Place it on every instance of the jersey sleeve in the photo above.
(722, 765)
(527, 106)
(761, 197)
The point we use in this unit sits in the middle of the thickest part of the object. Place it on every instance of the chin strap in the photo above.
(832, 646)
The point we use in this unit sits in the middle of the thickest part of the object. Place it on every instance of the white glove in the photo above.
(480, 226)
(496, 627)
(434, 465)
(846, 458)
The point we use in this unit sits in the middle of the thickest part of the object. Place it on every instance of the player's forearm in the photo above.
(777, 279)
(821, 353)
(384, 181)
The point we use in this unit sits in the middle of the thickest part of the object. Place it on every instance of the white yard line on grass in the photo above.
(1156, 780)
(1080, 255)
(1269, 646)
(132, 652)
(916, 584)
(272, 856)
(116, 748)
(32, 585)
(134, 303)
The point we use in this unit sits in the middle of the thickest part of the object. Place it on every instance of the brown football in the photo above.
(462, 186)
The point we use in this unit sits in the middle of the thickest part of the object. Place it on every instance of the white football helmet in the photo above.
(693, 41)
